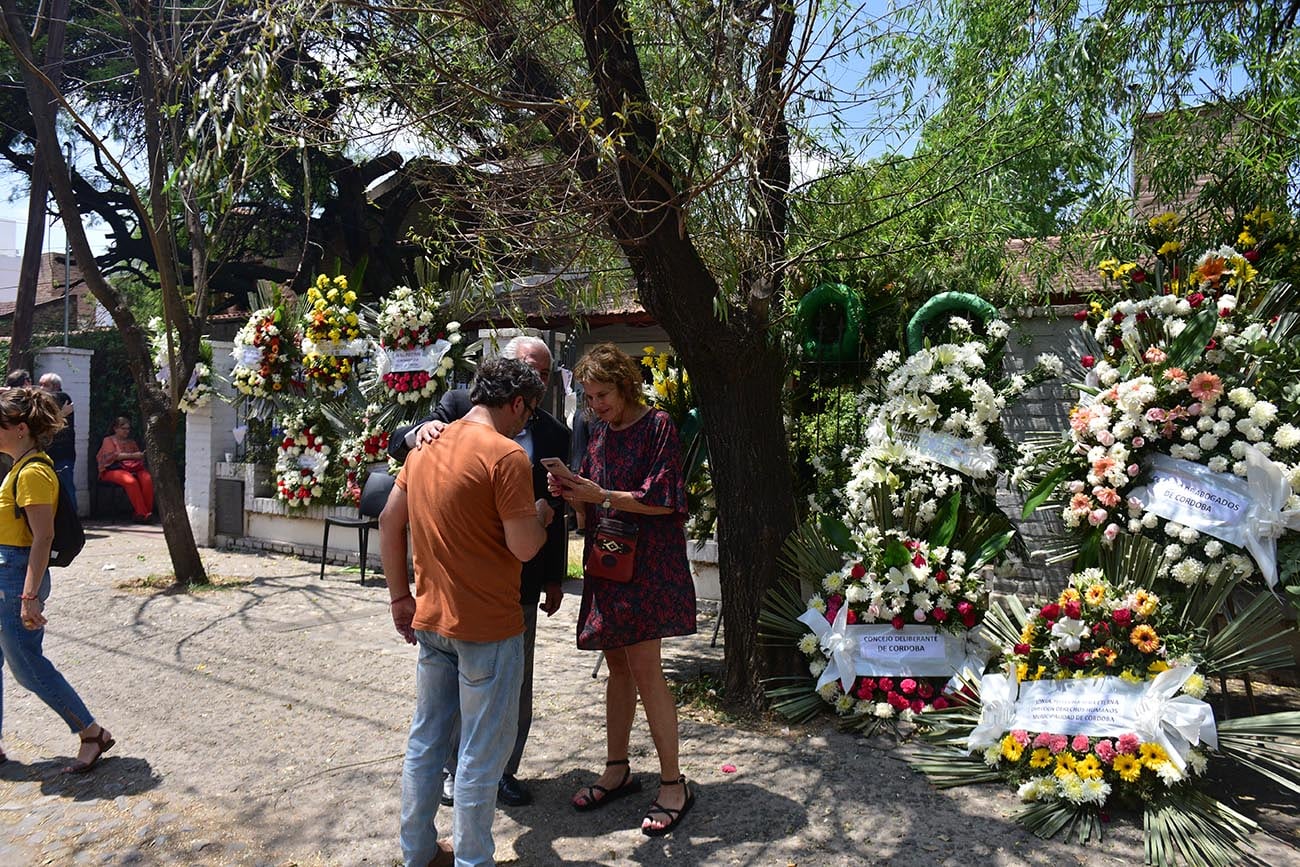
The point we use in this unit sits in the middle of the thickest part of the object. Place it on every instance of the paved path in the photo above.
(264, 724)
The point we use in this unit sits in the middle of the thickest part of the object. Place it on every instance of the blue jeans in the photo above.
(20, 647)
(65, 470)
(479, 683)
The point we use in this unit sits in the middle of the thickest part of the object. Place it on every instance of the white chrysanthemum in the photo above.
(884, 710)
(1173, 552)
(1169, 774)
(844, 704)
(1195, 685)
(808, 645)
(1242, 397)
(992, 755)
(1263, 413)
(1187, 571)
(816, 603)
(1213, 549)
(1217, 464)
(1188, 536)
(1071, 788)
(1287, 436)
(1149, 520)
(1095, 791)
(1196, 762)
(815, 668)
(833, 583)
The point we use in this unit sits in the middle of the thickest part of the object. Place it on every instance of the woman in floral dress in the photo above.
(632, 471)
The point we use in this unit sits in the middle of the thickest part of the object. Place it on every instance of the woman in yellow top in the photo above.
(29, 418)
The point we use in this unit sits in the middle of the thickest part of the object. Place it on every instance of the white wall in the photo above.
(73, 367)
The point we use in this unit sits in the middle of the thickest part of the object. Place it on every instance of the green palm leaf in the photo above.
(1268, 744)
(1189, 827)
(1046, 819)
(1250, 641)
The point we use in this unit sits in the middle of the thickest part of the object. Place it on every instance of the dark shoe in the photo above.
(596, 796)
(674, 817)
(513, 793)
(445, 857)
(448, 798)
(105, 742)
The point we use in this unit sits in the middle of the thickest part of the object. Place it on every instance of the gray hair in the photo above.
(516, 344)
(52, 380)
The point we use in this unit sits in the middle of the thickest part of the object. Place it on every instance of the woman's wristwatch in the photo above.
(605, 503)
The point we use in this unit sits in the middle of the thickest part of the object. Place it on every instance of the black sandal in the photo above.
(105, 742)
(629, 785)
(674, 816)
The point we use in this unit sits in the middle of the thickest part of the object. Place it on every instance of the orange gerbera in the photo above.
(1144, 638)
(1105, 655)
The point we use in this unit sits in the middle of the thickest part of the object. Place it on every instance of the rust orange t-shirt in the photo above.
(460, 489)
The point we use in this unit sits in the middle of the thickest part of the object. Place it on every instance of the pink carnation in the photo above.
(1079, 744)
(940, 703)
(1021, 736)
(1105, 751)
(1041, 740)
(1128, 744)
(917, 705)
(907, 686)
(1056, 743)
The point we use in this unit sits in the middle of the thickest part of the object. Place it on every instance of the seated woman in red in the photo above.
(121, 462)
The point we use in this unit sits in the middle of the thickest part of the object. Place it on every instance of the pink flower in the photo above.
(1087, 361)
(1056, 743)
(1072, 609)
(1155, 413)
(1176, 374)
(907, 685)
(1079, 744)
(866, 687)
(1106, 496)
(940, 703)
(728, 769)
(1154, 355)
(1080, 503)
(918, 615)
(917, 705)
(1101, 467)
(1195, 299)
(1105, 751)
(1133, 469)
(1021, 736)
(1041, 740)
(1128, 744)
(1076, 487)
(924, 690)
(1097, 517)
(1139, 442)
(1206, 387)
(1111, 531)
(885, 683)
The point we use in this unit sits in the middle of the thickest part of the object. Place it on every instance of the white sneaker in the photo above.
(448, 798)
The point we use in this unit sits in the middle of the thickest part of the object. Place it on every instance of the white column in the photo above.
(73, 367)
(209, 433)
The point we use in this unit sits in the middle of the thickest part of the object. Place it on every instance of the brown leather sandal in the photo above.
(105, 742)
(674, 816)
(628, 785)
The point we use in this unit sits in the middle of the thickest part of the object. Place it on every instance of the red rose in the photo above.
(968, 619)
(851, 617)
(1139, 276)
(1072, 609)
(1122, 617)
(940, 615)
(940, 703)
(1225, 313)
(1211, 345)
(1142, 316)
(918, 561)
(896, 701)
(1051, 611)
(858, 571)
(1022, 649)
(1101, 630)
(1195, 299)
(1088, 361)
(940, 576)
(917, 705)
(924, 690)
(1081, 316)
(897, 622)
(866, 687)
(1251, 256)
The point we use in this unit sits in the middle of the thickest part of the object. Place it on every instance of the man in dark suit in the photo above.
(543, 437)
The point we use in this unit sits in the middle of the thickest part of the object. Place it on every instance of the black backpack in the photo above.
(69, 537)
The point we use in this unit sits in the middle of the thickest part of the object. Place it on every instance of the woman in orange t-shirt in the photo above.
(121, 462)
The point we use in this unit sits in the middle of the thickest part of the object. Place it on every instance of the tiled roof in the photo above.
(48, 287)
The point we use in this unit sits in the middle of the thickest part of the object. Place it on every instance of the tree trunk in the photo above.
(29, 274)
(157, 412)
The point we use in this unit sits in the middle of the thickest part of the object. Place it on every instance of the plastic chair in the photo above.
(374, 494)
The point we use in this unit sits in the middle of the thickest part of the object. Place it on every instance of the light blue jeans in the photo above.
(479, 683)
(20, 647)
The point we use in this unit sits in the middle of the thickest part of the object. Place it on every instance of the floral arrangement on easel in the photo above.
(670, 389)
(264, 353)
(1186, 418)
(1098, 706)
(198, 390)
(331, 336)
(906, 547)
(418, 351)
(302, 463)
(355, 455)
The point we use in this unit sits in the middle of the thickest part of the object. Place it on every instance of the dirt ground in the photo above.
(264, 724)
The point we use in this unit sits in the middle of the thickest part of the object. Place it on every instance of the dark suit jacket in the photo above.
(550, 440)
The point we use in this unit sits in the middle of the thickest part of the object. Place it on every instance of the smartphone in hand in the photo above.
(557, 468)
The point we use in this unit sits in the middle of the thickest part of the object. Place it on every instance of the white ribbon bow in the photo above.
(1267, 520)
(836, 644)
(997, 711)
(1176, 722)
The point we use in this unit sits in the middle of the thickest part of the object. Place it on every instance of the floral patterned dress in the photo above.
(659, 601)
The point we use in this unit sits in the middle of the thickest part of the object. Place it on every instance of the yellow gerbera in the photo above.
(1012, 749)
(1089, 768)
(1145, 602)
(1065, 763)
(1128, 768)
(1040, 758)
(1095, 595)
(1170, 248)
(1152, 754)
(1144, 638)
(1069, 594)
(1158, 666)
